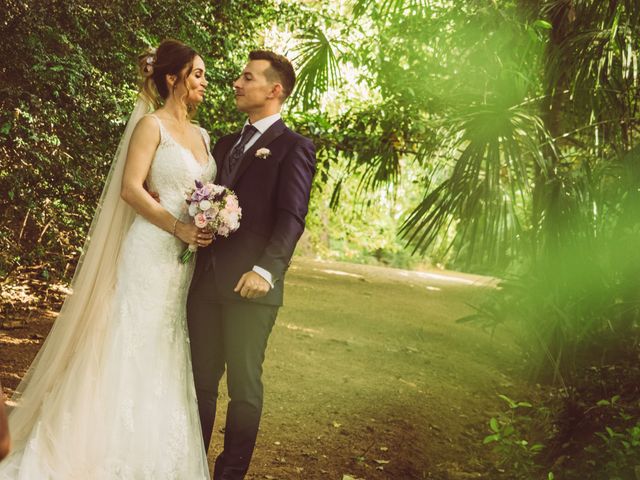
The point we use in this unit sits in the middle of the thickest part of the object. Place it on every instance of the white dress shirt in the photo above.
(261, 126)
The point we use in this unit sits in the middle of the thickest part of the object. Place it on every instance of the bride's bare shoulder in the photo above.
(147, 130)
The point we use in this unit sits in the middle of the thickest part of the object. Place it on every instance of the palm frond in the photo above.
(594, 56)
(387, 8)
(317, 65)
(485, 196)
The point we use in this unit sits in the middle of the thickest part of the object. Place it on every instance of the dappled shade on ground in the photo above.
(367, 374)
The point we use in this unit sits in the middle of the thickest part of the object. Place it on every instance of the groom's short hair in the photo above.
(280, 71)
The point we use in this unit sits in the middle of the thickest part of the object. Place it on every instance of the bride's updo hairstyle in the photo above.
(170, 58)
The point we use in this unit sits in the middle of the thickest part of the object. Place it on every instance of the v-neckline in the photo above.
(188, 150)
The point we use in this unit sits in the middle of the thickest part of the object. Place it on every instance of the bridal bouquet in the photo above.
(214, 208)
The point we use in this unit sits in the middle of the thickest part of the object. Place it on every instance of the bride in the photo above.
(110, 395)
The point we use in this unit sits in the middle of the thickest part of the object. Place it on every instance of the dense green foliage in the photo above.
(67, 85)
(493, 136)
(521, 119)
(500, 135)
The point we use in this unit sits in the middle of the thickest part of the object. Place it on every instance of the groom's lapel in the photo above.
(273, 132)
(222, 150)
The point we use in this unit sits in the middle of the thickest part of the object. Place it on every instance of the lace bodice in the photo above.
(175, 169)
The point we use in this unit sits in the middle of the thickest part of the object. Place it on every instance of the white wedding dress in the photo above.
(125, 407)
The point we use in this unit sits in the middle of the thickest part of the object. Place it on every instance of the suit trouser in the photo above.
(234, 334)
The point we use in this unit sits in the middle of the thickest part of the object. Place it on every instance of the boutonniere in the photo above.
(263, 153)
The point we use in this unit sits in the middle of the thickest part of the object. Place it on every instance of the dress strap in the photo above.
(163, 132)
(206, 138)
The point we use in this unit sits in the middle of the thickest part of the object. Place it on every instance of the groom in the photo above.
(238, 284)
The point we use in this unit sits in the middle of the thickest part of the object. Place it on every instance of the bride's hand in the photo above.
(192, 235)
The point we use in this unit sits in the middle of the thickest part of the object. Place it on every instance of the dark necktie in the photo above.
(238, 150)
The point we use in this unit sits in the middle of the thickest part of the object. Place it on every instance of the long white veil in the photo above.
(82, 319)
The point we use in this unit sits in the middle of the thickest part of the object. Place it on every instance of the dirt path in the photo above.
(367, 376)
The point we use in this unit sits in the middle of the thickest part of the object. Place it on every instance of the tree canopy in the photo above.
(491, 136)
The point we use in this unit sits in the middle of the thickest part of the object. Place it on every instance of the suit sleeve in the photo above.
(293, 191)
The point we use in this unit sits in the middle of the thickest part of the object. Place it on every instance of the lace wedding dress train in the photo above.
(124, 407)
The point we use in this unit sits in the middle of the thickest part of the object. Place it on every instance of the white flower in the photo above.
(193, 209)
(205, 205)
(212, 212)
(263, 152)
(231, 202)
(233, 222)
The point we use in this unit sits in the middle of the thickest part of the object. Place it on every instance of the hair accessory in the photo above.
(150, 61)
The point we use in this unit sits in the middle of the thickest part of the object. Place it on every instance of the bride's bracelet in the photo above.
(175, 224)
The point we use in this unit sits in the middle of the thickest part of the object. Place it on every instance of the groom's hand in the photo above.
(252, 285)
(154, 195)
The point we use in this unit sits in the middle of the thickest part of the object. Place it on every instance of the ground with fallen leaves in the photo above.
(367, 375)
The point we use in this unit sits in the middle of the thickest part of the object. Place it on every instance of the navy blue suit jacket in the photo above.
(273, 193)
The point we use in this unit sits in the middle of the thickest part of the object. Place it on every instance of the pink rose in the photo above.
(200, 220)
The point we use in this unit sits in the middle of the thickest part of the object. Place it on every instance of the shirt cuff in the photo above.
(264, 274)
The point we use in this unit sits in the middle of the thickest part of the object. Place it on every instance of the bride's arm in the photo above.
(142, 148)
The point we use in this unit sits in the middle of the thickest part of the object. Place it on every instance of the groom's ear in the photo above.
(276, 91)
